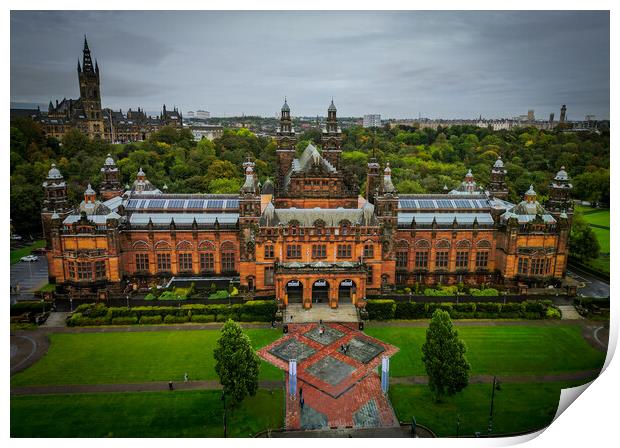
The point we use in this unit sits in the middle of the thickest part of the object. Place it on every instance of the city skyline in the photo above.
(494, 64)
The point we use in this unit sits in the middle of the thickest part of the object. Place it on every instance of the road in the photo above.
(593, 286)
(30, 277)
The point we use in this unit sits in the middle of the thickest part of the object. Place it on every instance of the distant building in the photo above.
(590, 117)
(202, 114)
(372, 121)
(208, 131)
(530, 115)
(563, 113)
(190, 114)
(87, 115)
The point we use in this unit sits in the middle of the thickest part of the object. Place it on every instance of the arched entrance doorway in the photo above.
(295, 291)
(320, 291)
(346, 289)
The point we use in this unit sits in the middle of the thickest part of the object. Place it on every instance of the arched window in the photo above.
(345, 224)
(206, 251)
(184, 245)
(140, 246)
(442, 244)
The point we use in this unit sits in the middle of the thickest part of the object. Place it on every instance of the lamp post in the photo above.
(71, 302)
(225, 422)
(127, 301)
(495, 387)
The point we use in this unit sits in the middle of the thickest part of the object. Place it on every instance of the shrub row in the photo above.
(29, 306)
(99, 314)
(389, 309)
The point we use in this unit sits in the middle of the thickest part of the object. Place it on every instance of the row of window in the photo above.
(186, 262)
(319, 251)
(441, 259)
(317, 231)
(534, 266)
(86, 270)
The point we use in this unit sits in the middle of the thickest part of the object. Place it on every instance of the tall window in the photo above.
(142, 262)
(441, 259)
(369, 250)
(319, 251)
(163, 262)
(84, 270)
(482, 260)
(207, 262)
(100, 269)
(369, 275)
(185, 262)
(421, 260)
(268, 275)
(343, 251)
(402, 258)
(462, 259)
(293, 251)
(523, 265)
(548, 267)
(228, 262)
(71, 269)
(538, 266)
(269, 252)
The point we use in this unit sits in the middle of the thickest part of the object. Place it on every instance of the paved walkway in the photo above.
(339, 390)
(352, 433)
(346, 312)
(569, 312)
(26, 349)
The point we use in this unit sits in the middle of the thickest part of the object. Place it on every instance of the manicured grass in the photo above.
(16, 254)
(522, 407)
(143, 414)
(600, 218)
(602, 235)
(120, 357)
(500, 350)
(600, 264)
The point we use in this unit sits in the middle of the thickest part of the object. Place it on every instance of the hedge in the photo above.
(389, 309)
(29, 306)
(99, 314)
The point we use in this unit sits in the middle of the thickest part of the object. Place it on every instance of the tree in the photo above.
(583, 243)
(443, 355)
(236, 363)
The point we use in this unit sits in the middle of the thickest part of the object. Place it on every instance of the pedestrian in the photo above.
(301, 391)
(291, 318)
(321, 322)
(301, 402)
(186, 378)
(170, 386)
(273, 324)
(342, 348)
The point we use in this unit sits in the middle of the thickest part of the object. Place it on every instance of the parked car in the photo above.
(16, 237)
(29, 258)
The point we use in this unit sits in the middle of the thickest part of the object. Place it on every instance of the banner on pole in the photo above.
(292, 378)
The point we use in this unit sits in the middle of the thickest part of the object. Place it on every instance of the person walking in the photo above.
(186, 377)
(170, 386)
(301, 402)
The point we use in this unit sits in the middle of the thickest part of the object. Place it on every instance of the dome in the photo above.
(498, 163)
(332, 107)
(562, 174)
(54, 173)
(531, 191)
(89, 190)
(285, 107)
(109, 161)
(267, 187)
(141, 172)
(387, 171)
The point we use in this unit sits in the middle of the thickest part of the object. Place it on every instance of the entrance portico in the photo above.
(320, 282)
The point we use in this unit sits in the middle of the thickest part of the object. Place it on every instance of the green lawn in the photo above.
(599, 218)
(602, 235)
(16, 254)
(501, 350)
(120, 357)
(517, 407)
(143, 414)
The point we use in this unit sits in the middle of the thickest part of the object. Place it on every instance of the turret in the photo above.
(372, 179)
(560, 195)
(111, 182)
(497, 185)
(285, 140)
(332, 138)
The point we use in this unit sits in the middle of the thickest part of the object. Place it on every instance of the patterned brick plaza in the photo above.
(339, 390)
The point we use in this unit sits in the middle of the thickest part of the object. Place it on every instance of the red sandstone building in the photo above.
(308, 237)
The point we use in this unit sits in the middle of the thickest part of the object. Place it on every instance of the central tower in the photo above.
(90, 93)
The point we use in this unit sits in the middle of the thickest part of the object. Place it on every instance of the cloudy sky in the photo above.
(398, 64)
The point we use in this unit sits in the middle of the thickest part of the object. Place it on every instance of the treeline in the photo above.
(422, 161)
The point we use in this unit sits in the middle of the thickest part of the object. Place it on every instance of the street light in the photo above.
(127, 301)
(495, 387)
(71, 302)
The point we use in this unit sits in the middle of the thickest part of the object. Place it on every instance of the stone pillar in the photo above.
(333, 294)
(307, 294)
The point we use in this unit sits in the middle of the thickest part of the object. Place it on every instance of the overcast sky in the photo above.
(398, 64)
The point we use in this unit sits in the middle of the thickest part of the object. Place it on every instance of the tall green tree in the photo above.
(583, 243)
(236, 363)
(443, 355)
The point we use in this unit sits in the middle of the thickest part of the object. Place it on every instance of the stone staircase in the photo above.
(344, 313)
